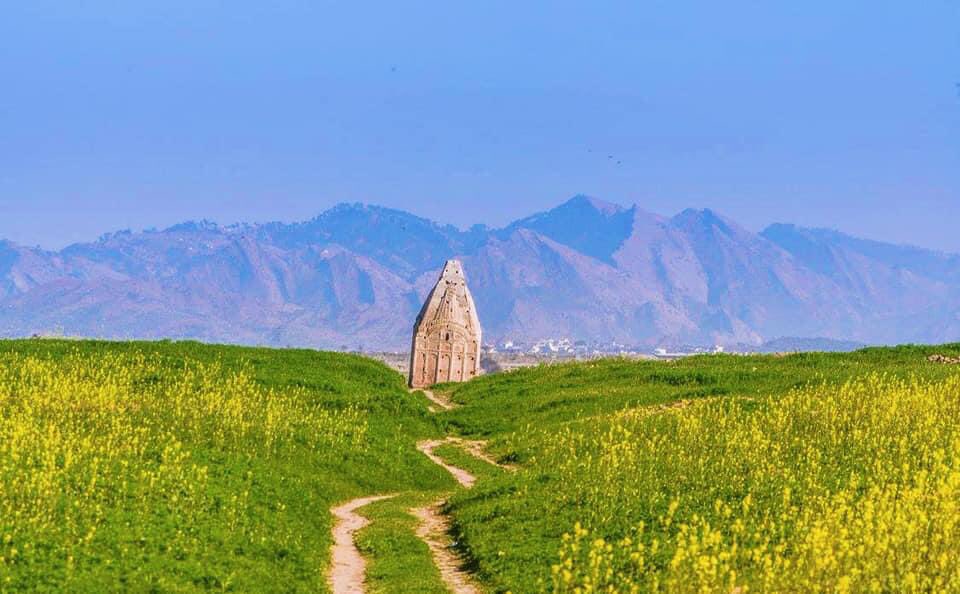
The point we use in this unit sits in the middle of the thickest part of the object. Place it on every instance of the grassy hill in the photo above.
(800, 473)
(180, 466)
(187, 467)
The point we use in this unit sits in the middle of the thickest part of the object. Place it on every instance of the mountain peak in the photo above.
(345, 207)
(582, 201)
(705, 218)
(579, 206)
(703, 215)
(353, 213)
(591, 226)
(188, 226)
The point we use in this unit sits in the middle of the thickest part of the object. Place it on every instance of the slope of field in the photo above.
(179, 467)
(811, 472)
(184, 467)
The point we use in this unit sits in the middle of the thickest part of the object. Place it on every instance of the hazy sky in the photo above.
(129, 114)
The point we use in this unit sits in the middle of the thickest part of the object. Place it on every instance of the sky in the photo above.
(124, 114)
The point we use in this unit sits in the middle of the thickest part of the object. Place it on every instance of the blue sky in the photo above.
(132, 114)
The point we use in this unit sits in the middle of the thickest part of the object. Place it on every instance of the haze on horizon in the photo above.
(117, 116)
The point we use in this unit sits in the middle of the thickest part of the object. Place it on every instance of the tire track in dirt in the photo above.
(347, 566)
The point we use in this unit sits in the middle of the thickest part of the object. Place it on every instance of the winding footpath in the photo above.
(433, 530)
(347, 567)
(441, 401)
(434, 526)
(463, 477)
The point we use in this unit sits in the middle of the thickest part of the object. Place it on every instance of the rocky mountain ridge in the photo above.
(354, 277)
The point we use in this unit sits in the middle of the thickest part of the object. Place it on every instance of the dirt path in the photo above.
(478, 449)
(433, 530)
(435, 526)
(347, 567)
(475, 448)
(463, 477)
(441, 401)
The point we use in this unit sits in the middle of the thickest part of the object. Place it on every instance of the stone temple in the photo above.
(446, 336)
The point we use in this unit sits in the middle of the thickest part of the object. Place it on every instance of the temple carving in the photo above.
(446, 336)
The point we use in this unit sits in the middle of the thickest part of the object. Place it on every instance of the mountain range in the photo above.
(355, 277)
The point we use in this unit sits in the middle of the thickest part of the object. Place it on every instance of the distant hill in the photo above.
(354, 277)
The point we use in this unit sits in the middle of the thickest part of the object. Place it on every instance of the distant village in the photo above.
(512, 354)
(583, 348)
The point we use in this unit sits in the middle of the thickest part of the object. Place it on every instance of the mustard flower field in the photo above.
(855, 489)
(182, 467)
(809, 473)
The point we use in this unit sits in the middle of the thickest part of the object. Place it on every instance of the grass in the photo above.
(181, 466)
(455, 455)
(185, 467)
(399, 561)
(601, 456)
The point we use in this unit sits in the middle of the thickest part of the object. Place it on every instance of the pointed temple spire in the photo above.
(446, 336)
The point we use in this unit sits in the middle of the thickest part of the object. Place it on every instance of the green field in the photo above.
(182, 467)
(188, 467)
(812, 472)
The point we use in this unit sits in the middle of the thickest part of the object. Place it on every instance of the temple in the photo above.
(446, 336)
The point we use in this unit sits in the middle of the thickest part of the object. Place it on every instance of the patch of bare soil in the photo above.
(347, 567)
(944, 359)
(677, 404)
